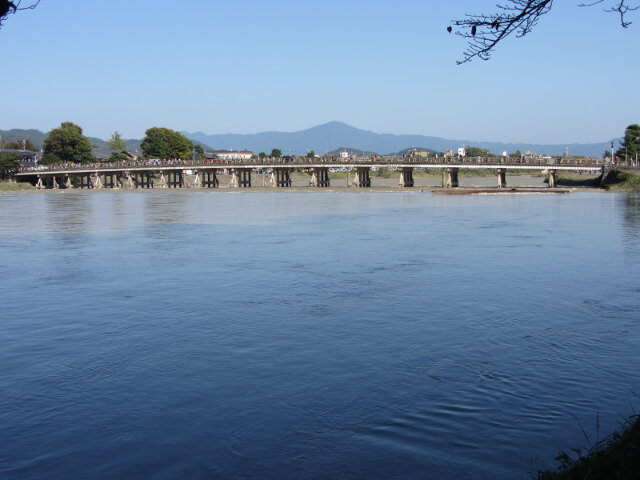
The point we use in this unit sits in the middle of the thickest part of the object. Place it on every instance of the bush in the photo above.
(50, 159)
(118, 157)
(9, 164)
(616, 457)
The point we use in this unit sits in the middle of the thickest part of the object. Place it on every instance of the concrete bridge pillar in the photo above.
(406, 177)
(209, 179)
(502, 178)
(551, 178)
(362, 178)
(241, 178)
(319, 177)
(54, 182)
(96, 181)
(162, 181)
(39, 185)
(450, 177)
(67, 182)
(194, 183)
(128, 180)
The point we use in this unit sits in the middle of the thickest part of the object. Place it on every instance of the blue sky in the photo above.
(285, 65)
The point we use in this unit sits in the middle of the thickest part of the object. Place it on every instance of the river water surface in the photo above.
(173, 334)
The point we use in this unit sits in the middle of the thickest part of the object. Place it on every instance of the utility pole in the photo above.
(611, 152)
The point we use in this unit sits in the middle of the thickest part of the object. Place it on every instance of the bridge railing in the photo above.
(301, 162)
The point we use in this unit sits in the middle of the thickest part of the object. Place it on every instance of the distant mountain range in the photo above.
(335, 136)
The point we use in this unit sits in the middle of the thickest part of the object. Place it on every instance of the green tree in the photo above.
(50, 159)
(162, 142)
(118, 157)
(477, 152)
(27, 145)
(116, 142)
(311, 154)
(630, 143)
(69, 144)
(276, 153)
(262, 155)
(516, 154)
(197, 151)
(9, 164)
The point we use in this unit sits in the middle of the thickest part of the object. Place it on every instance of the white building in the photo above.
(462, 152)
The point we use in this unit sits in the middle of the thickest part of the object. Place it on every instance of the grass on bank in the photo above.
(617, 457)
(568, 179)
(14, 187)
(624, 182)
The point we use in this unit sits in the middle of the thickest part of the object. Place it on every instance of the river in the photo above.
(180, 334)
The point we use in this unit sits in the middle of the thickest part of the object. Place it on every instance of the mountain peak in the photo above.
(333, 125)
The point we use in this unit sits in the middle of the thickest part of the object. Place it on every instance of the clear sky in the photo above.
(247, 66)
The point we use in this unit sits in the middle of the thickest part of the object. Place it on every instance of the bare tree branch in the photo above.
(8, 7)
(519, 17)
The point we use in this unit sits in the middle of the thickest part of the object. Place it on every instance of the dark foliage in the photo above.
(9, 7)
(485, 30)
(9, 164)
(615, 457)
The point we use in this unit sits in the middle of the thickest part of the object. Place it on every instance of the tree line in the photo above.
(67, 144)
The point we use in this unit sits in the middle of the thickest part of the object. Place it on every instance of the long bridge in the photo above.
(205, 173)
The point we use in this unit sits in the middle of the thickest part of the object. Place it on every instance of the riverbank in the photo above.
(8, 186)
(622, 182)
(616, 181)
(616, 457)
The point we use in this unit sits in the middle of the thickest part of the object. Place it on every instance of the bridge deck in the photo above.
(554, 164)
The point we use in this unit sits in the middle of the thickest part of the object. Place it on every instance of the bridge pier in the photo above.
(551, 178)
(128, 181)
(319, 177)
(209, 179)
(362, 178)
(67, 182)
(85, 181)
(162, 181)
(282, 177)
(176, 179)
(144, 180)
(502, 178)
(241, 178)
(450, 177)
(196, 183)
(110, 180)
(406, 177)
(95, 179)
(39, 185)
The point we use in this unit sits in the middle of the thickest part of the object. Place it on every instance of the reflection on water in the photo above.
(631, 211)
(407, 335)
(68, 213)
